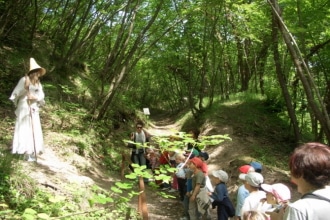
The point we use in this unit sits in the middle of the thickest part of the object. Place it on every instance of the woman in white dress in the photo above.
(28, 96)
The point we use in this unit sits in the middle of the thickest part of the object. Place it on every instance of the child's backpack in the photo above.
(227, 203)
(229, 207)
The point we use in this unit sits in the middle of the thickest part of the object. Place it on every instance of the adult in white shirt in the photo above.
(310, 171)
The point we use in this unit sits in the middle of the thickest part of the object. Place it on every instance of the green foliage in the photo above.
(176, 142)
(274, 99)
(16, 188)
(6, 169)
(44, 205)
(272, 155)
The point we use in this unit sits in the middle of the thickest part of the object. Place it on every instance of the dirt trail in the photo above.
(159, 207)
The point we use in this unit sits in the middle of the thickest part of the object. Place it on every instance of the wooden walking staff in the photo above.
(34, 141)
(27, 84)
(142, 200)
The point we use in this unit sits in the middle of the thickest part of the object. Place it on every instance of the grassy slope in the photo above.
(250, 119)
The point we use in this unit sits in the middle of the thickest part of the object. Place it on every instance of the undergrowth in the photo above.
(23, 198)
(67, 130)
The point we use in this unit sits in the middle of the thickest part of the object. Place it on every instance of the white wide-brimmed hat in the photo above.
(35, 66)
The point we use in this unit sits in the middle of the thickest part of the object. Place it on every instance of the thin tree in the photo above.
(314, 99)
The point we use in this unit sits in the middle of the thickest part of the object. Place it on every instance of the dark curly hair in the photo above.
(312, 162)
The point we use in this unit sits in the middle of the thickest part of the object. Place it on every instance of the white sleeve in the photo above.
(19, 91)
(41, 96)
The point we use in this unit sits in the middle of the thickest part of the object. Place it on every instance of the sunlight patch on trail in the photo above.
(161, 132)
(214, 162)
(50, 169)
(165, 130)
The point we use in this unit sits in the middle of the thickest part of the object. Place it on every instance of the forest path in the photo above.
(159, 207)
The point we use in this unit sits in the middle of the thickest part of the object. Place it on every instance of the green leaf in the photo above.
(102, 199)
(131, 176)
(124, 185)
(30, 211)
(116, 190)
(91, 202)
(56, 199)
(28, 217)
(43, 216)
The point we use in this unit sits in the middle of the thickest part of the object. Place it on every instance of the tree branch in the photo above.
(316, 48)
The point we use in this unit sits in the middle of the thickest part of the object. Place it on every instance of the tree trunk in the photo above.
(111, 93)
(282, 80)
(316, 105)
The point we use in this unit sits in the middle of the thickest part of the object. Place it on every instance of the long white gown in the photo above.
(28, 136)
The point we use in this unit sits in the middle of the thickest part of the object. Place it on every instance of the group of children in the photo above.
(200, 192)
(191, 177)
(255, 200)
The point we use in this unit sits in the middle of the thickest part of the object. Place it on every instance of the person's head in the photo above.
(152, 152)
(35, 70)
(310, 166)
(195, 133)
(246, 169)
(219, 176)
(252, 180)
(179, 158)
(256, 166)
(277, 193)
(204, 156)
(254, 215)
(34, 73)
(172, 154)
(195, 163)
(139, 127)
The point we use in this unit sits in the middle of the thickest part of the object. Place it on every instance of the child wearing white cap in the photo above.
(220, 195)
(242, 192)
(278, 195)
(252, 182)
